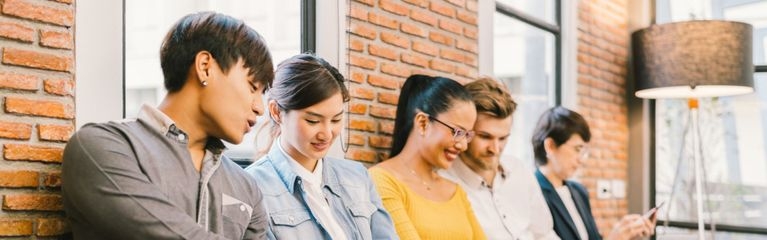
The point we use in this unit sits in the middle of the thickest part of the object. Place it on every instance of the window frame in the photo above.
(308, 37)
(554, 29)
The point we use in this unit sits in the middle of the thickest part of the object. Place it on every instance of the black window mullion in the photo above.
(529, 19)
(558, 55)
(308, 26)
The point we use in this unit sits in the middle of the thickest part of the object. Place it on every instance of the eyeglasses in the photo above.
(457, 132)
(583, 152)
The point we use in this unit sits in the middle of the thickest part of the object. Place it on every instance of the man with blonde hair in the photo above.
(503, 193)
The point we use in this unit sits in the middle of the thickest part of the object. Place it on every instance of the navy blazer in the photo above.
(563, 223)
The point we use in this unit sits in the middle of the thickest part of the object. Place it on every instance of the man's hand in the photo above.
(632, 226)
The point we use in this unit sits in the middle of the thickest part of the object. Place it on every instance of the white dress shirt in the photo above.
(514, 208)
(315, 198)
(567, 199)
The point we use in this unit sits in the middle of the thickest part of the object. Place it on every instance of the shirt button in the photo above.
(242, 208)
(504, 216)
(291, 219)
(181, 137)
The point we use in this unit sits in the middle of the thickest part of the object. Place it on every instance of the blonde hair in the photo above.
(491, 97)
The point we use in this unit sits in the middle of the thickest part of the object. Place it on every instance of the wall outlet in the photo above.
(604, 189)
(619, 189)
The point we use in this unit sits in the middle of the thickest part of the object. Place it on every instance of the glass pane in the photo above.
(733, 136)
(147, 21)
(524, 61)
(672, 233)
(748, 11)
(541, 9)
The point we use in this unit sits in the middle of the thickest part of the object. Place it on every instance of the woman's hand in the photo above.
(632, 226)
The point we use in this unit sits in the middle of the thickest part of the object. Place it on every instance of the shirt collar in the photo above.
(473, 179)
(281, 163)
(314, 177)
(165, 126)
(156, 119)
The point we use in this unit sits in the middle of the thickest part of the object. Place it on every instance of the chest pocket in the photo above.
(297, 224)
(236, 216)
(363, 214)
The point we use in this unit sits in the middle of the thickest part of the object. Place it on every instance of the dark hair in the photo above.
(491, 97)
(431, 95)
(304, 80)
(300, 82)
(559, 124)
(226, 38)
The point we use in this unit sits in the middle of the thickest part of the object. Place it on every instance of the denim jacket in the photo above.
(347, 186)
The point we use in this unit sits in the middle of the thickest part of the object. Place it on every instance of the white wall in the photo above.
(98, 61)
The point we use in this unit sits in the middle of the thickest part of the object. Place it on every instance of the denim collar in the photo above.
(281, 165)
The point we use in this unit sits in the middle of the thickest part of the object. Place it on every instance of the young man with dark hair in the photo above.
(504, 194)
(163, 175)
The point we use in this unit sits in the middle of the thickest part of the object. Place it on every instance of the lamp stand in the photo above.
(699, 170)
(692, 105)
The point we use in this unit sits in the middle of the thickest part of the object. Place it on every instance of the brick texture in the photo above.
(40, 60)
(59, 133)
(63, 87)
(37, 112)
(36, 202)
(42, 108)
(56, 39)
(52, 179)
(51, 227)
(390, 40)
(15, 227)
(19, 178)
(9, 80)
(23, 152)
(603, 45)
(39, 11)
(15, 130)
(17, 32)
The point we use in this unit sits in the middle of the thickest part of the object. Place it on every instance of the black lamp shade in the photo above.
(693, 59)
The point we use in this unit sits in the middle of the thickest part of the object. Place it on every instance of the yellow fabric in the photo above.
(416, 217)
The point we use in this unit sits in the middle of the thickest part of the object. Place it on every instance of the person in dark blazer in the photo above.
(560, 145)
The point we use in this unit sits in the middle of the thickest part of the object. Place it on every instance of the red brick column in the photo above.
(603, 45)
(388, 41)
(36, 113)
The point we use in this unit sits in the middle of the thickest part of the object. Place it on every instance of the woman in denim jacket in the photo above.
(307, 194)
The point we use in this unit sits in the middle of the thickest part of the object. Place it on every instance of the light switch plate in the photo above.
(619, 189)
(604, 189)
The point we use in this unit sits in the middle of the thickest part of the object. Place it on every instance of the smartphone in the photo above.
(650, 213)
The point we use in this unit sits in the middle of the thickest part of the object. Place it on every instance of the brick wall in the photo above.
(603, 45)
(388, 41)
(36, 113)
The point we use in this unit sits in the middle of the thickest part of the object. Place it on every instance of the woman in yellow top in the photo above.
(433, 125)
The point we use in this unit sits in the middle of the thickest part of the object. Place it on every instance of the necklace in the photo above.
(428, 187)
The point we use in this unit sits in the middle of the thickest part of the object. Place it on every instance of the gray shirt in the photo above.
(135, 180)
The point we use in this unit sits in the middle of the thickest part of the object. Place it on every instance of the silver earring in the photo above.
(204, 83)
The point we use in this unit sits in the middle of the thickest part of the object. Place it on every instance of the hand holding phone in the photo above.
(651, 213)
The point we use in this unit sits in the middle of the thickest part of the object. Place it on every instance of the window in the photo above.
(527, 59)
(733, 135)
(147, 21)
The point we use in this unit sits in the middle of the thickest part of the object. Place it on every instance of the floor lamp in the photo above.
(692, 60)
